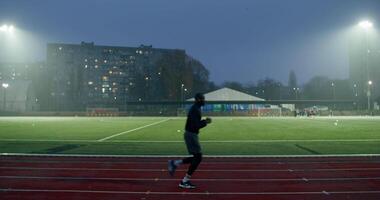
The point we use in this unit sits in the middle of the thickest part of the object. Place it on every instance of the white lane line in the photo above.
(326, 193)
(196, 179)
(201, 170)
(135, 129)
(187, 193)
(44, 140)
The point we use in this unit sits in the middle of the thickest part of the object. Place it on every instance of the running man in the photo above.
(194, 122)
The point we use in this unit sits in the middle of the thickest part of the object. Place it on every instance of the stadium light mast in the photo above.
(296, 90)
(7, 28)
(5, 86)
(333, 89)
(369, 95)
(366, 26)
(182, 86)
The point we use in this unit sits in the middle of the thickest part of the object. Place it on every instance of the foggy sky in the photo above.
(236, 40)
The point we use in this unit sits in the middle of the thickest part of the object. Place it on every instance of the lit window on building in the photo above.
(130, 83)
(96, 60)
(141, 52)
(114, 83)
(96, 66)
(103, 90)
(90, 82)
(114, 98)
(159, 73)
(86, 66)
(146, 78)
(85, 60)
(137, 51)
(105, 61)
(60, 48)
(110, 72)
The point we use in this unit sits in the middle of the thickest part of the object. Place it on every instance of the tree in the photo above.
(177, 69)
(234, 85)
(318, 88)
(200, 78)
(323, 88)
(269, 89)
(173, 73)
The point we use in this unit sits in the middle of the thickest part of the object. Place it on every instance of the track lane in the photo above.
(253, 178)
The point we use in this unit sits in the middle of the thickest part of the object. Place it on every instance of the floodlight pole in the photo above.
(182, 85)
(367, 69)
(333, 93)
(5, 98)
(5, 86)
(296, 92)
(369, 95)
(366, 25)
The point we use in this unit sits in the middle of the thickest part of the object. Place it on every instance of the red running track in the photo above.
(80, 177)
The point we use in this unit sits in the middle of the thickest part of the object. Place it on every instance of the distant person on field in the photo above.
(194, 122)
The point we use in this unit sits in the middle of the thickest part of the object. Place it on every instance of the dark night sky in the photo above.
(236, 40)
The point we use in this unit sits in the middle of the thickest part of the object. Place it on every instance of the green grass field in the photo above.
(163, 136)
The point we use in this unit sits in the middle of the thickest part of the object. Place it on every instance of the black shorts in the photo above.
(192, 143)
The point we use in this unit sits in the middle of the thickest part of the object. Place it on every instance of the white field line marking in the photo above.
(171, 156)
(43, 140)
(204, 170)
(135, 129)
(210, 179)
(181, 141)
(188, 193)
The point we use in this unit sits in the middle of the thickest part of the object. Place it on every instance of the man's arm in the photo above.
(195, 119)
(202, 124)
